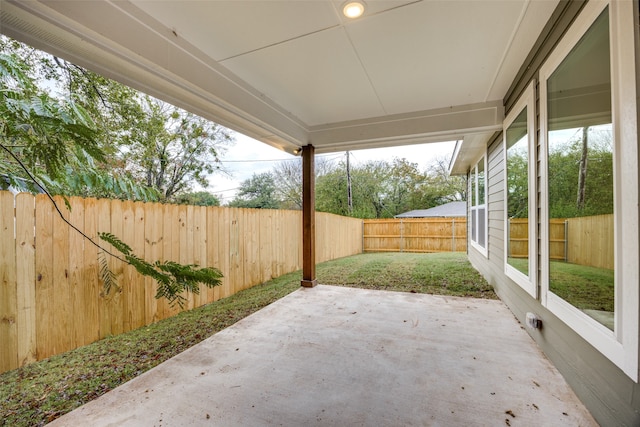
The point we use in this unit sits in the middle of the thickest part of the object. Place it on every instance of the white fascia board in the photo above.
(469, 150)
(154, 60)
(443, 124)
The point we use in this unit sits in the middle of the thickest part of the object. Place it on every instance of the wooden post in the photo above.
(308, 218)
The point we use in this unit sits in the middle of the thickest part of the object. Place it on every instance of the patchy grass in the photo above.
(441, 273)
(41, 392)
(587, 288)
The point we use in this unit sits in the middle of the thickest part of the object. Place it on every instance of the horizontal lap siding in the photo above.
(607, 392)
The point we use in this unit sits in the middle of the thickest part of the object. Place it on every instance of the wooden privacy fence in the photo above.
(415, 235)
(51, 297)
(584, 240)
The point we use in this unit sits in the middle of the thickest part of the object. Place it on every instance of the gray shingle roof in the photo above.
(453, 209)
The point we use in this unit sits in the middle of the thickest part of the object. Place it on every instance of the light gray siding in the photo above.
(611, 396)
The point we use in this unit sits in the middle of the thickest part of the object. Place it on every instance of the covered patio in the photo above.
(304, 77)
(344, 356)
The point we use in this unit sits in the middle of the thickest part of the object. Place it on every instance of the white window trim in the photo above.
(527, 100)
(484, 251)
(621, 345)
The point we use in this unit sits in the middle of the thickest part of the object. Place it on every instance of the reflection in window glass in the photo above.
(478, 207)
(518, 193)
(580, 177)
(481, 182)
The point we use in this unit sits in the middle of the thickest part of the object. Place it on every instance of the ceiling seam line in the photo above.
(279, 43)
(508, 47)
(364, 70)
(196, 55)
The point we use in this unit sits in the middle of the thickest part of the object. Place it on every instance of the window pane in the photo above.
(481, 182)
(472, 179)
(517, 143)
(482, 218)
(474, 225)
(580, 177)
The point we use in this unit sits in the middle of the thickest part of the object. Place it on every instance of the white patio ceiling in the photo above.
(291, 73)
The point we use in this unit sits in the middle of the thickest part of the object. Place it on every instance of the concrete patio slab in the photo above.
(341, 356)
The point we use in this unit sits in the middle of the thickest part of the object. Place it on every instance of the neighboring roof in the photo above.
(447, 210)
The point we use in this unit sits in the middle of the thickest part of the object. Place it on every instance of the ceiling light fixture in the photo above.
(353, 9)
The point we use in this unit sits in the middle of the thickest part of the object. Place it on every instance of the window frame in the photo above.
(528, 100)
(620, 345)
(474, 206)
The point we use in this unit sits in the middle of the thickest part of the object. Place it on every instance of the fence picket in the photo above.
(154, 214)
(87, 312)
(52, 297)
(8, 289)
(25, 278)
(45, 342)
(415, 235)
(76, 265)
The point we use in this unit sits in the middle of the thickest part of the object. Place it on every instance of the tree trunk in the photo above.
(582, 174)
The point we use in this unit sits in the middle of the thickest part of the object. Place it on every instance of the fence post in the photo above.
(401, 235)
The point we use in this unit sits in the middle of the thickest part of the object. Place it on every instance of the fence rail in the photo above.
(51, 297)
(415, 235)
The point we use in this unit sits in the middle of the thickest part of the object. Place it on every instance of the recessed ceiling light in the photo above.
(353, 9)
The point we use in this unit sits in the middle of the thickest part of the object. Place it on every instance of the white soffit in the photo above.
(468, 151)
(318, 78)
(297, 72)
(434, 54)
(225, 29)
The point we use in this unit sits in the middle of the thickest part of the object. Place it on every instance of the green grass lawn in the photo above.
(38, 393)
(587, 288)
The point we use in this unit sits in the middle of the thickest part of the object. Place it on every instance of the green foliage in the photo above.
(564, 169)
(518, 185)
(199, 198)
(382, 189)
(168, 148)
(58, 140)
(258, 192)
(107, 275)
(172, 278)
(43, 132)
(97, 137)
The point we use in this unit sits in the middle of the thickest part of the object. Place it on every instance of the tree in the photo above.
(518, 184)
(259, 192)
(566, 167)
(404, 186)
(170, 148)
(199, 198)
(150, 149)
(70, 169)
(369, 190)
(440, 187)
(287, 177)
(40, 136)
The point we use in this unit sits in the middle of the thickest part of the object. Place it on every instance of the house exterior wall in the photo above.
(612, 397)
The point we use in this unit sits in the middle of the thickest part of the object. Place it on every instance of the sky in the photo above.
(248, 156)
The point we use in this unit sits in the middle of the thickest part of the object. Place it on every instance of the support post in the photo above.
(308, 218)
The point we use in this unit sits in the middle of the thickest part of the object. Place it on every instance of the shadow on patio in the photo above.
(344, 356)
